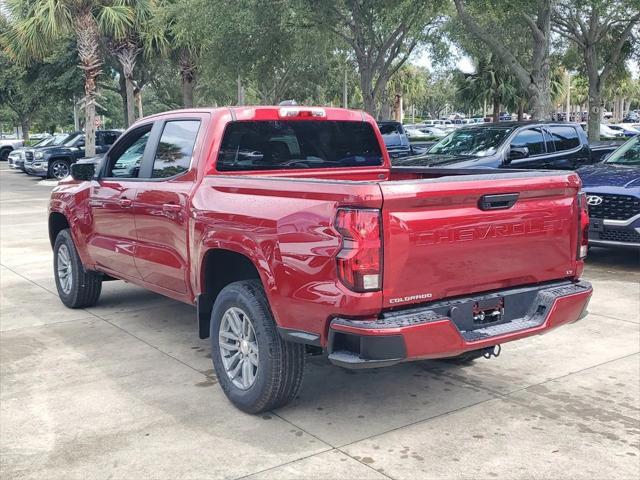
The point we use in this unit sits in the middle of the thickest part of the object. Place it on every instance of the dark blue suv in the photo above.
(613, 196)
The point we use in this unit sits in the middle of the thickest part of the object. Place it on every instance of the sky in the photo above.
(422, 58)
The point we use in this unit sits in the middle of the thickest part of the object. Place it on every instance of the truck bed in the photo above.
(438, 242)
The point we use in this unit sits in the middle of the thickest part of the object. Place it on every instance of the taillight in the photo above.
(360, 259)
(302, 112)
(583, 226)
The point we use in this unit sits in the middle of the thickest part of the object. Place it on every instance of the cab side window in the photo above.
(532, 138)
(175, 149)
(109, 138)
(125, 161)
(564, 138)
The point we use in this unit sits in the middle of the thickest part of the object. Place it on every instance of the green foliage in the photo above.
(290, 49)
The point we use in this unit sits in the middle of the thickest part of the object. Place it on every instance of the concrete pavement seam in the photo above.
(284, 464)
(499, 397)
(17, 329)
(614, 318)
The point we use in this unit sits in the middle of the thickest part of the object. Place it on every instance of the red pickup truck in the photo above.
(291, 233)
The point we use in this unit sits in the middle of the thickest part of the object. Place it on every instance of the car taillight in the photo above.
(360, 259)
(583, 226)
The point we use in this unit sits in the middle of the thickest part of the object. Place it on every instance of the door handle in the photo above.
(171, 207)
(125, 203)
(500, 201)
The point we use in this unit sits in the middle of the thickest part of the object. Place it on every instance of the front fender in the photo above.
(71, 199)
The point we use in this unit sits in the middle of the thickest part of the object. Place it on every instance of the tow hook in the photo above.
(492, 351)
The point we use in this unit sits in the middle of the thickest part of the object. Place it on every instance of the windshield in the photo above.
(43, 142)
(264, 145)
(56, 140)
(476, 142)
(627, 154)
(71, 139)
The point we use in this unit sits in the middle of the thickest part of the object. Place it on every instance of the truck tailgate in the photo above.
(439, 242)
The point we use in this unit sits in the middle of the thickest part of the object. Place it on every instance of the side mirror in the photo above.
(80, 144)
(83, 171)
(517, 152)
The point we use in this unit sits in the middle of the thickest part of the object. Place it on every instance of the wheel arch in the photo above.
(57, 222)
(220, 267)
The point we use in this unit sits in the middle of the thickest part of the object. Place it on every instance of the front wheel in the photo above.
(77, 288)
(59, 169)
(256, 369)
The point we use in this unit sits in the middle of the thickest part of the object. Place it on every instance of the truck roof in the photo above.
(272, 112)
(523, 123)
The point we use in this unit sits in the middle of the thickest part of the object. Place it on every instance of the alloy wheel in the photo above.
(238, 348)
(65, 269)
(60, 170)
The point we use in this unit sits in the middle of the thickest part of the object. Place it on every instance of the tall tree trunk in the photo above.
(595, 112)
(187, 92)
(131, 102)
(25, 125)
(88, 44)
(122, 84)
(520, 111)
(139, 103)
(591, 60)
(188, 77)
(368, 97)
(496, 108)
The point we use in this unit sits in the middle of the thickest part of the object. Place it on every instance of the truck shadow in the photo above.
(626, 259)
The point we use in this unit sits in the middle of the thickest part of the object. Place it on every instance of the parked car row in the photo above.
(52, 157)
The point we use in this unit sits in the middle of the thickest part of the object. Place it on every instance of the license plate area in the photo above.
(596, 224)
(488, 310)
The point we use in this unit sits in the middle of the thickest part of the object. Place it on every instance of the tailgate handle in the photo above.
(498, 202)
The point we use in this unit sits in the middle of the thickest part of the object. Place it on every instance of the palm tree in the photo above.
(169, 35)
(142, 36)
(39, 23)
(488, 83)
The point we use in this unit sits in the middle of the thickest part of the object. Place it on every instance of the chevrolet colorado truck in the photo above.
(290, 232)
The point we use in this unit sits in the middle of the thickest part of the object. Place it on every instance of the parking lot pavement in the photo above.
(127, 390)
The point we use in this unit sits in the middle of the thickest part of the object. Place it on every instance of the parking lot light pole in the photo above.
(568, 96)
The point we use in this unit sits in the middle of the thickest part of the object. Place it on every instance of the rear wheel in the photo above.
(77, 288)
(59, 169)
(4, 154)
(256, 369)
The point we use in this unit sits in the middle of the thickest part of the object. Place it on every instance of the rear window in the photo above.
(564, 138)
(389, 128)
(266, 145)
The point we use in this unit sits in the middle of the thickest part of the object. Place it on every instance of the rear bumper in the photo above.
(442, 329)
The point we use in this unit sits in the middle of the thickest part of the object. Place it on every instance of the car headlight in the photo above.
(38, 155)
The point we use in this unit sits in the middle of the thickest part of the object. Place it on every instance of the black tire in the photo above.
(280, 365)
(85, 286)
(59, 169)
(4, 154)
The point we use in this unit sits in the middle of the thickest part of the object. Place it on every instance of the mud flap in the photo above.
(204, 305)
